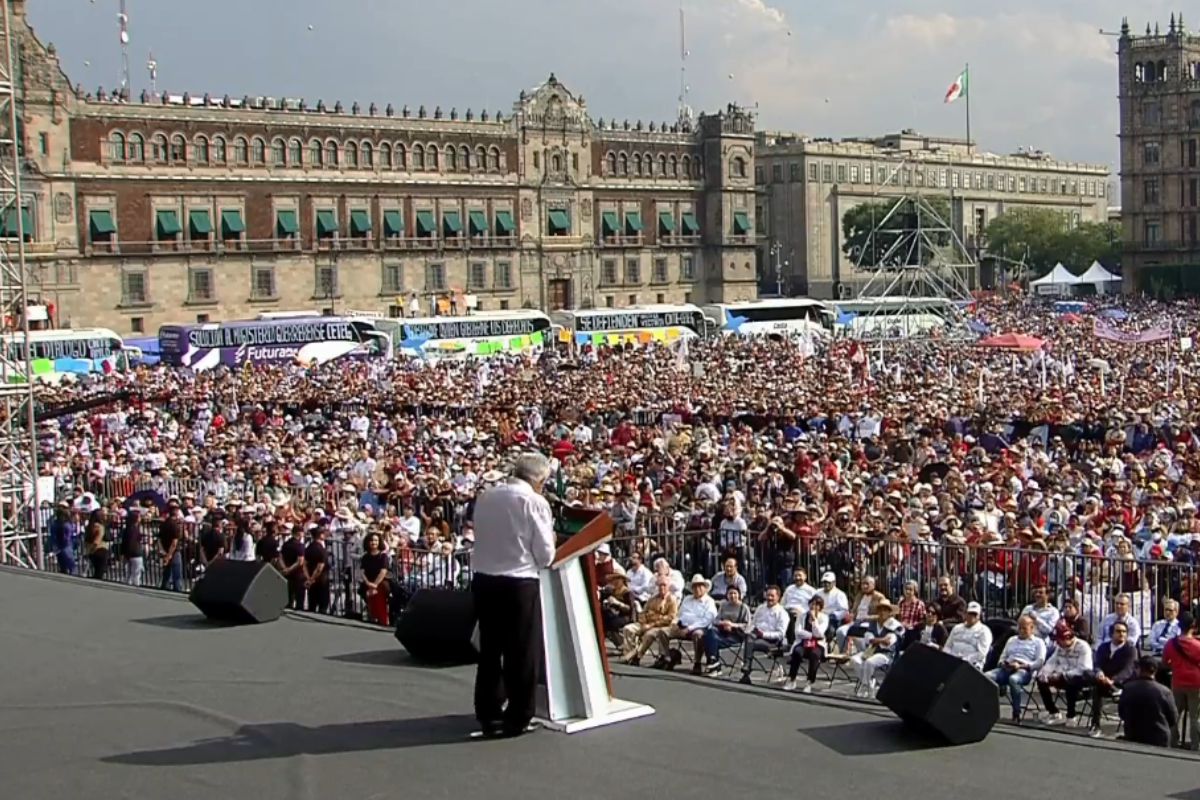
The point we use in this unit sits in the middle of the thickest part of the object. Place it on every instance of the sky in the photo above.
(1041, 73)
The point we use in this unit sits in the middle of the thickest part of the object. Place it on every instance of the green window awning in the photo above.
(199, 223)
(504, 223)
(100, 223)
(393, 223)
(608, 224)
(741, 223)
(425, 224)
(166, 224)
(559, 221)
(477, 221)
(327, 224)
(285, 223)
(360, 222)
(9, 224)
(231, 223)
(666, 222)
(690, 226)
(451, 223)
(633, 223)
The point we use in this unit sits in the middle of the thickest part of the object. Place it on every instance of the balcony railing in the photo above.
(1162, 246)
(622, 240)
(676, 240)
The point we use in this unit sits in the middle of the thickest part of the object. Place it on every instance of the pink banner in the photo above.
(1105, 330)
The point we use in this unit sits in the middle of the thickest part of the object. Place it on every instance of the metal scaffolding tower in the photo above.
(20, 523)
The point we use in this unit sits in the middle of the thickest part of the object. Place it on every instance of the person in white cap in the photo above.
(837, 605)
(971, 641)
(696, 615)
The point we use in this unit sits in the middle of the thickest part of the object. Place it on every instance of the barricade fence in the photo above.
(151, 488)
(1000, 579)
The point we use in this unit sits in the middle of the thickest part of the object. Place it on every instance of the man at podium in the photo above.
(514, 540)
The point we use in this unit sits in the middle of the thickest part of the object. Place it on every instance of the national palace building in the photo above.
(142, 211)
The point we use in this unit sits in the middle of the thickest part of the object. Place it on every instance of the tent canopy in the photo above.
(1098, 274)
(1059, 276)
(1013, 341)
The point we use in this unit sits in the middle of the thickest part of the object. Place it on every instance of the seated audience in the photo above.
(1147, 708)
(952, 608)
(862, 612)
(605, 564)
(880, 642)
(730, 628)
(1120, 613)
(1068, 668)
(1073, 615)
(640, 578)
(662, 568)
(1182, 655)
(696, 614)
(658, 614)
(932, 632)
(728, 579)
(1166, 628)
(910, 612)
(616, 606)
(810, 644)
(796, 598)
(1043, 613)
(971, 641)
(837, 605)
(767, 630)
(1023, 655)
(1116, 661)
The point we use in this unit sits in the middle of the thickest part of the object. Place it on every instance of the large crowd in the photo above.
(1070, 470)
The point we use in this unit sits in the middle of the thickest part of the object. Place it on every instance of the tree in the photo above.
(1043, 237)
(896, 233)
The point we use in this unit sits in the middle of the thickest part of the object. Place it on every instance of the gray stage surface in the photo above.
(112, 693)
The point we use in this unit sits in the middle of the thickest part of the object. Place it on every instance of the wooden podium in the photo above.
(576, 694)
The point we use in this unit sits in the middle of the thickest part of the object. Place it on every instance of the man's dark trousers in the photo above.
(510, 651)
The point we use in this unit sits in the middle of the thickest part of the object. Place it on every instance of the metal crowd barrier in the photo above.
(119, 488)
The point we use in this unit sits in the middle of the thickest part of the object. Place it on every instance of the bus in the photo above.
(303, 340)
(900, 317)
(776, 317)
(634, 323)
(78, 344)
(481, 333)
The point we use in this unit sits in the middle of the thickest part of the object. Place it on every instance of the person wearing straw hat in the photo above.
(696, 615)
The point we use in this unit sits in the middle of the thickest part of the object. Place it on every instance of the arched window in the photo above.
(622, 164)
(258, 150)
(158, 148)
(178, 149)
(418, 162)
(556, 163)
(400, 156)
(1193, 121)
(202, 150)
(241, 150)
(637, 164)
(451, 159)
(219, 154)
(480, 157)
(493, 159)
(685, 167)
(673, 168)
(662, 165)
(737, 167)
(464, 158)
(366, 155)
(350, 153)
(116, 146)
(316, 155)
(431, 158)
(648, 165)
(610, 163)
(295, 156)
(279, 154)
(137, 148)
(1162, 70)
(331, 154)
(385, 156)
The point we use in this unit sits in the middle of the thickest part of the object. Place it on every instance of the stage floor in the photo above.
(107, 692)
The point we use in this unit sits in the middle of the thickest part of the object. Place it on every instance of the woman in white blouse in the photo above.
(810, 644)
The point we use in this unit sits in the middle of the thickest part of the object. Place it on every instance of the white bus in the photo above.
(480, 334)
(633, 323)
(777, 317)
(79, 344)
(900, 317)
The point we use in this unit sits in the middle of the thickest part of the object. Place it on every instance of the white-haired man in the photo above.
(514, 541)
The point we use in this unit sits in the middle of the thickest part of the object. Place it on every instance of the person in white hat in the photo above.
(696, 614)
(972, 640)
(837, 605)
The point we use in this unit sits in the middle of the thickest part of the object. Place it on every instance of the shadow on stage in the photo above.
(185, 622)
(884, 737)
(286, 739)
(391, 657)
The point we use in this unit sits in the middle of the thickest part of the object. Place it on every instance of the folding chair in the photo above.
(838, 664)
(1084, 714)
(758, 659)
(1033, 700)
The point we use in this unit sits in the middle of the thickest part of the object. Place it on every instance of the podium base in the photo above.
(618, 711)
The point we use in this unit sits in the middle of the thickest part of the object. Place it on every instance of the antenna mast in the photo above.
(123, 23)
(152, 68)
(685, 111)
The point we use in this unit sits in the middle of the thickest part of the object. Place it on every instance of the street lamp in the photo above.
(776, 250)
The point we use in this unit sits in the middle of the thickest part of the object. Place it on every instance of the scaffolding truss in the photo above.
(20, 522)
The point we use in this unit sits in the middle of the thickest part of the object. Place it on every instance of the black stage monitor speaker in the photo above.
(240, 592)
(438, 626)
(941, 695)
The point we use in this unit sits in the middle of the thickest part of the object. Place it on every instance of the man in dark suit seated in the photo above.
(1147, 707)
(1116, 661)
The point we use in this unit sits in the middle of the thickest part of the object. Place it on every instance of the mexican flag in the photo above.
(958, 88)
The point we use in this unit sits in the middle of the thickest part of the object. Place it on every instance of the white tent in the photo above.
(1058, 281)
(1099, 277)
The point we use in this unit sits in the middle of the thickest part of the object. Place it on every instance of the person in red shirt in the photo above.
(1182, 656)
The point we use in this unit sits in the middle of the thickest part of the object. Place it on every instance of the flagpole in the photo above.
(967, 72)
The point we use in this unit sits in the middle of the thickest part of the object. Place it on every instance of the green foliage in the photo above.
(870, 238)
(1044, 237)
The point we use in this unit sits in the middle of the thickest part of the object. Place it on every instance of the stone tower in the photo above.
(727, 147)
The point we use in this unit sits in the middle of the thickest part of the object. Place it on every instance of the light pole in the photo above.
(776, 251)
